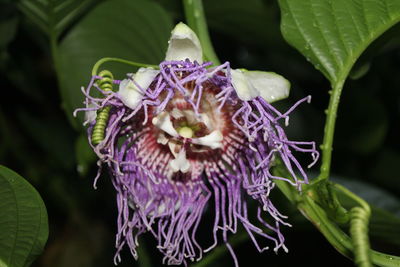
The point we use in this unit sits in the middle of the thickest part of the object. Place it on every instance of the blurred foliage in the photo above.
(38, 141)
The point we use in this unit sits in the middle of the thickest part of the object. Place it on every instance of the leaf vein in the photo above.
(341, 35)
(333, 55)
(303, 35)
(364, 16)
(38, 228)
(354, 21)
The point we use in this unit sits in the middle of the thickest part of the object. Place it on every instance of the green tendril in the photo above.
(359, 235)
(105, 84)
(119, 60)
(359, 220)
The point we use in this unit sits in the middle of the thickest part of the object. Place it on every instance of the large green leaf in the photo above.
(333, 34)
(23, 221)
(136, 30)
(53, 16)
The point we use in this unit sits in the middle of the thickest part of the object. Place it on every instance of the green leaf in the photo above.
(23, 221)
(53, 16)
(136, 30)
(333, 34)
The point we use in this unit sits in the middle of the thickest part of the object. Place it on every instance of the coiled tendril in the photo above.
(359, 219)
(105, 83)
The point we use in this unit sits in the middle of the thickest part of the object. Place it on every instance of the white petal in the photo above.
(184, 44)
(270, 86)
(212, 140)
(244, 89)
(163, 121)
(129, 93)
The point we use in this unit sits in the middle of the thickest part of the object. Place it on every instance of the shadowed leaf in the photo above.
(23, 221)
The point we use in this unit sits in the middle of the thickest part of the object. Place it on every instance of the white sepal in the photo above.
(270, 86)
(243, 87)
(129, 92)
(184, 44)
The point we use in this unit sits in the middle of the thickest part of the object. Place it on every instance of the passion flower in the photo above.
(189, 139)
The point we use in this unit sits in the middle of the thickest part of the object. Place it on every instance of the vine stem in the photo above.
(331, 114)
(359, 228)
(340, 240)
(195, 18)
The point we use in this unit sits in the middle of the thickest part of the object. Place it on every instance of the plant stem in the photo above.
(359, 228)
(196, 20)
(329, 130)
(332, 232)
(340, 240)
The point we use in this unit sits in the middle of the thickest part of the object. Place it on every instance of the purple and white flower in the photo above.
(192, 138)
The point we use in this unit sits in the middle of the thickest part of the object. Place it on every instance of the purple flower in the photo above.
(193, 138)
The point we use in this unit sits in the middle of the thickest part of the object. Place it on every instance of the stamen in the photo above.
(163, 122)
(213, 140)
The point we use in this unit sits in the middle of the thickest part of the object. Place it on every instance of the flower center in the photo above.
(185, 133)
